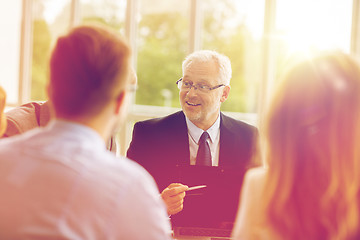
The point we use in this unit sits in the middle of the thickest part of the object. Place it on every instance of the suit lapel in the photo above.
(180, 139)
(226, 143)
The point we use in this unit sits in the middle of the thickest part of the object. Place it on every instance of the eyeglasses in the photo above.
(186, 86)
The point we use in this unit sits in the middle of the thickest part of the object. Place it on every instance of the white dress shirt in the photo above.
(194, 136)
(60, 182)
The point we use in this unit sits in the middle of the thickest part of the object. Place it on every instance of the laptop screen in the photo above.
(214, 206)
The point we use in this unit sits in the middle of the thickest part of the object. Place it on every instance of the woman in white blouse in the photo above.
(310, 184)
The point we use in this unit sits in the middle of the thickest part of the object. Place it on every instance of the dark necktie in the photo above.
(203, 157)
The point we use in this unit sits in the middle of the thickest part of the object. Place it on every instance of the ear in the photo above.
(225, 93)
(119, 102)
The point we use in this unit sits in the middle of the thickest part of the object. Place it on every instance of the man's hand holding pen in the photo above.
(174, 195)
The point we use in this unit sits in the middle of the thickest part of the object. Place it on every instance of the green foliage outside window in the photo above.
(41, 49)
(162, 45)
(222, 33)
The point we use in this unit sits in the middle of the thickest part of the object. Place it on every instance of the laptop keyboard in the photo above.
(205, 232)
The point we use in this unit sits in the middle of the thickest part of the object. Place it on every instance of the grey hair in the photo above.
(207, 55)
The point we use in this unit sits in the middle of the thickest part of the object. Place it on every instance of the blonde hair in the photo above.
(312, 130)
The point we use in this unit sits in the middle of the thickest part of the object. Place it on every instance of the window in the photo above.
(311, 25)
(9, 48)
(257, 36)
(234, 28)
(109, 12)
(51, 18)
(162, 44)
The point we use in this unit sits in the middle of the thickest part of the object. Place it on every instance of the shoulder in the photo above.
(163, 121)
(133, 170)
(255, 176)
(250, 218)
(119, 170)
(137, 189)
(161, 124)
(10, 143)
(23, 118)
(232, 123)
(138, 178)
(253, 186)
(149, 137)
(140, 204)
(24, 110)
(238, 130)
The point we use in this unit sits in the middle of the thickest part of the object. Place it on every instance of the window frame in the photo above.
(140, 112)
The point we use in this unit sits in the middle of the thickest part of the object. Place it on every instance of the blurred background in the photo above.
(257, 35)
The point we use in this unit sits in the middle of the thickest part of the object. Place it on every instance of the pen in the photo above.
(196, 187)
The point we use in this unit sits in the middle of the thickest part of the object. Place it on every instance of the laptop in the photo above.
(188, 233)
(209, 213)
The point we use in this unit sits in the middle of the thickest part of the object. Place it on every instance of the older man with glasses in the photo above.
(199, 135)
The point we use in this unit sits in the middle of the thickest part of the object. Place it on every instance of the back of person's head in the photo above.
(2, 115)
(221, 60)
(311, 132)
(89, 67)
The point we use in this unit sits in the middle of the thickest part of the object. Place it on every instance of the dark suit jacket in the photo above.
(161, 145)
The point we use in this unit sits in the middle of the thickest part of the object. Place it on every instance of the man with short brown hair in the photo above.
(60, 182)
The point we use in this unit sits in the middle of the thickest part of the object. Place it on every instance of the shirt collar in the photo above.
(76, 130)
(196, 132)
